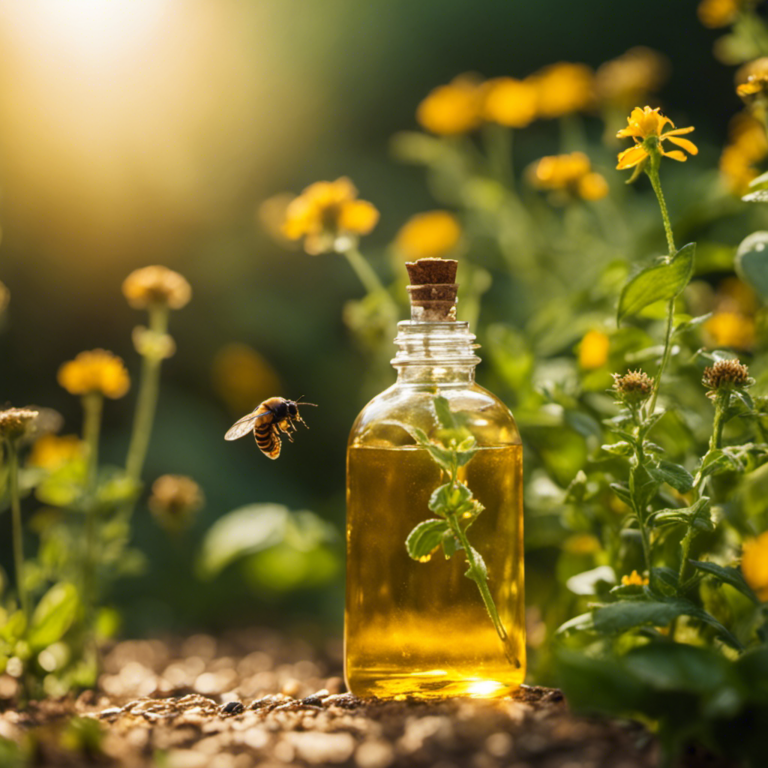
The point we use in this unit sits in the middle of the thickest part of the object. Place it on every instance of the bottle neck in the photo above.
(435, 353)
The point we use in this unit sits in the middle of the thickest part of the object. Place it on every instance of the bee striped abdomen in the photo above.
(267, 440)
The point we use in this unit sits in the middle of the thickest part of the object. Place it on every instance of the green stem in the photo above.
(364, 271)
(498, 145)
(715, 442)
(146, 403)
(482, 583)
(18, 541)
(92, 409)
(653, 174)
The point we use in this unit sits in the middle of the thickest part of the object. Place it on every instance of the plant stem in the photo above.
(146, 403)
(482, 585)
(18, 541)
(498, 145)
(653, 174)
(715, 442)
(364, 271)
(92, 409)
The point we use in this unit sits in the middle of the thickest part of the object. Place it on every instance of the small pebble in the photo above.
(291, 688)
(232, 708)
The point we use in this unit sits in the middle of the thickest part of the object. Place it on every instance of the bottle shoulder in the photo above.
(381, 422)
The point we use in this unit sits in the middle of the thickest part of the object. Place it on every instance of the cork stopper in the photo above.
(433, 290)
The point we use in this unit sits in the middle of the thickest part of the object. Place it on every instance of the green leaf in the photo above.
(643, 487)
(450, 545)
(657, 283)
(54, 615)
(443, 412)
(13, 627)
(479, 571)
(752, 262)
(622, 448)
(425, 538)
(665, 579)
(241, 532)
(697, 516)
(64, 486)
(727, 575)
(673, 474)
(448, 498)
(616, 618)
(625, 615)
(444, 458)
(622, 492)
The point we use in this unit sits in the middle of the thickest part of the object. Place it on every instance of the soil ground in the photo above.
(218, 703)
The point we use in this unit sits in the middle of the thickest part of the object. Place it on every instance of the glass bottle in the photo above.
(421, 627)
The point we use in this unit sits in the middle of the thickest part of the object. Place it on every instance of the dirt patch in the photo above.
(203, 703)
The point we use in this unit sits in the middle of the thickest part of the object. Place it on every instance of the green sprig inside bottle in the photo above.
(455, 506)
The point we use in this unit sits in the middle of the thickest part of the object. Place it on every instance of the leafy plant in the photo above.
(453, 503)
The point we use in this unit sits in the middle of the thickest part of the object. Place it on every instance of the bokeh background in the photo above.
(135, 133)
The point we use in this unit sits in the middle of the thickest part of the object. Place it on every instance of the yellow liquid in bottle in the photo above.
(421, 628)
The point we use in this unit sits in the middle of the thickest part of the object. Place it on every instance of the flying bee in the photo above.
(268, 420)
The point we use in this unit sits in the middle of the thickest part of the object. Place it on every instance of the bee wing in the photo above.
(247, 423)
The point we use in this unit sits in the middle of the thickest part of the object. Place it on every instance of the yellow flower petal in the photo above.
(675, 154)
(688, 146)
(754, 565)
(453, 109)
(593, 350)
(593, 187)
(510, 102)
(359, 217)
(429, 235)
(677, 132)
(629, 158)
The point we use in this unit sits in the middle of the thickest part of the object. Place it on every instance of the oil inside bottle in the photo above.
(420, 628)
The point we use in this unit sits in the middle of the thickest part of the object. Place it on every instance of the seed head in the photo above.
(16, 423)
(726, 375)
(633, 388)
(174, 501)
(156, 285)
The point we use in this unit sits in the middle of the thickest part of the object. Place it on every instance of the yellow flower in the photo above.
(174, 501)
(156, 285)
(569, 174)
(510, 102)
(563, 88)
(718, 13)
(429, 235)
(327, 214)
(754, 565)
(747, 146)
(53, 451)
(628, 79)
(752, 82)
(634, 580)
(242, 378)
(95, 371)
(593, 350)
(5, 297)
(731, 329)
(453, 109)
(646, 127)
